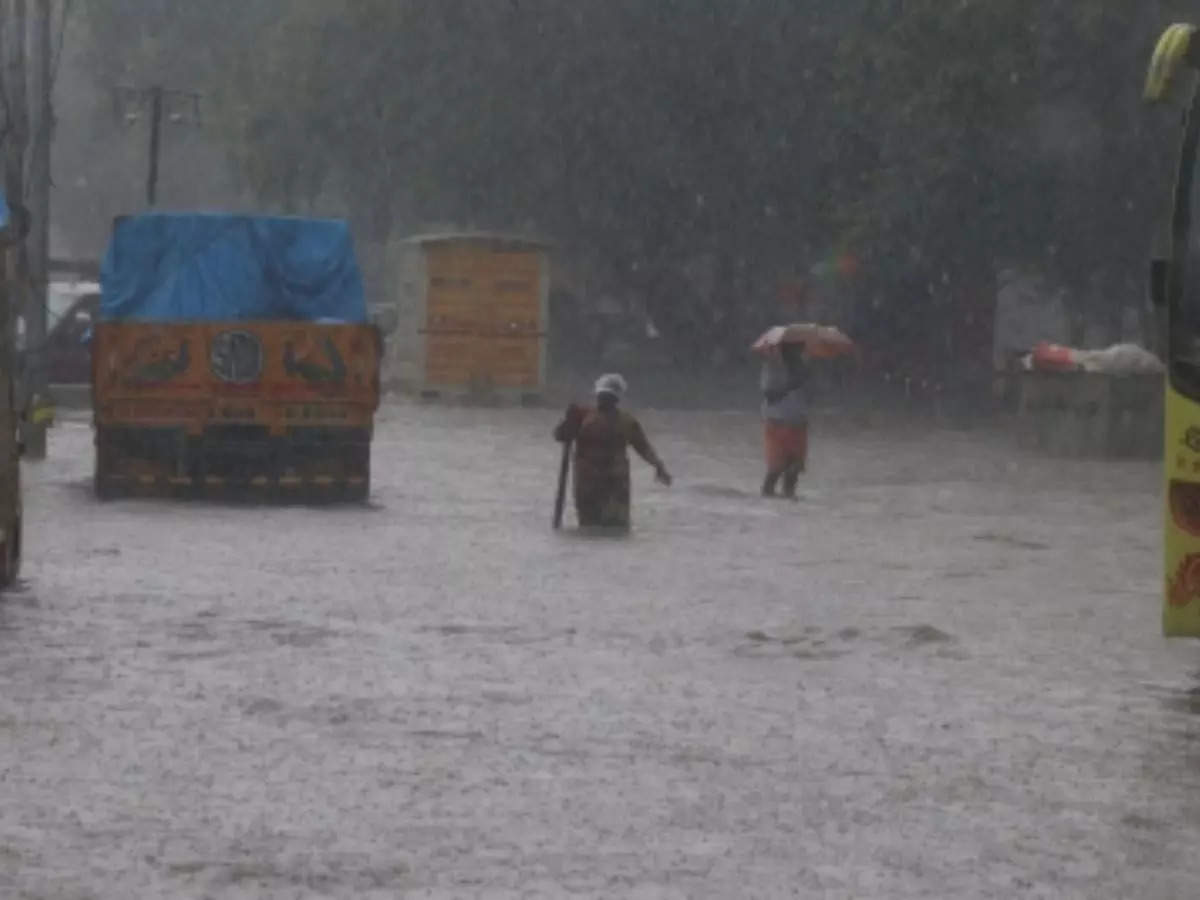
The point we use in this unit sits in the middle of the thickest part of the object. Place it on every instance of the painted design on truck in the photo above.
(304, 358)
(236, 357)
(153, 361)
(347, 373)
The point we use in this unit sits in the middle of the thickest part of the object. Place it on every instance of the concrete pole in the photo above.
(16, 91)
(156, 115)
(39, 202)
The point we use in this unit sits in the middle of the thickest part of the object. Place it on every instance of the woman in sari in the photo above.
(785, 418)
(602, 434)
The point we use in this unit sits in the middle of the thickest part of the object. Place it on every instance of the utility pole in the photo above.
(9, 469)
(16, 94)
(16, 90)
(164, 106)
(156, 111)
(39, 237)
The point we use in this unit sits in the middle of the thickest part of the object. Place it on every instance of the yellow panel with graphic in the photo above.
(484, 312)
(1181, 609)
(1173, 292)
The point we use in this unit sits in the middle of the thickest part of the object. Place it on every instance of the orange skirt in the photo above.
(786, 446)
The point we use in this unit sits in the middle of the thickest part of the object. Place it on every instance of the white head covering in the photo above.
(611, 384)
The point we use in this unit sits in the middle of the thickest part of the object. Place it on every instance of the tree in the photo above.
(934, 141)
(998, 132)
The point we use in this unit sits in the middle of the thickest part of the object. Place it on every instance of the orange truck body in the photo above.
(278, 408)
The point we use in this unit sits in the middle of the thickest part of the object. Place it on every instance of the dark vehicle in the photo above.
(67, 354)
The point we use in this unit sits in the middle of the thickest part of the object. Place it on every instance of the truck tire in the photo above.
(359, 493)
(10, 555)
(101, 483)
(104, 489)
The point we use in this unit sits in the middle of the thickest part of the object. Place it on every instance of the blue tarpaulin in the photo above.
(169, 267)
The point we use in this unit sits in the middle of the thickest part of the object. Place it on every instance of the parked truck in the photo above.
(233, 355)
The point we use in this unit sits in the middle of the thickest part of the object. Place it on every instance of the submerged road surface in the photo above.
(939, 675)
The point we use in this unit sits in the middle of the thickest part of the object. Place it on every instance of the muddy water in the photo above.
(938, 675)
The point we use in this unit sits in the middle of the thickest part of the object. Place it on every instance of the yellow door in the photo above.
(513, 285)
(483, 315)
(452, 314)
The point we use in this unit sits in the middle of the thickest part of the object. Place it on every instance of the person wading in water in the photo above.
(785, 418)
(602, 434)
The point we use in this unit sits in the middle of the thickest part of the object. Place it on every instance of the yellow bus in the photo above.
(1173, 295)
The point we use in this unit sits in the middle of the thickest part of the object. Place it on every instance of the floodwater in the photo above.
(938, 675)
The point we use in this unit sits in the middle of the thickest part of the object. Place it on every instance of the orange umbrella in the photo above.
(820, 341)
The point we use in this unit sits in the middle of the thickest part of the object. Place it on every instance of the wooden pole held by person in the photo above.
(560, 499)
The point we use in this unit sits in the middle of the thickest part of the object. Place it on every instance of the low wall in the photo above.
(1076, 414)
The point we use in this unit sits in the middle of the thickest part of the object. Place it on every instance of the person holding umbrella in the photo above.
(601, 435)
(785, 350)
(785, 418)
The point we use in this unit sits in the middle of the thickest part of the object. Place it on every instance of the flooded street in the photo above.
(938, 675)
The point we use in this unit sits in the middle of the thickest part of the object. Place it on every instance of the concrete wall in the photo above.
(1079, 415)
